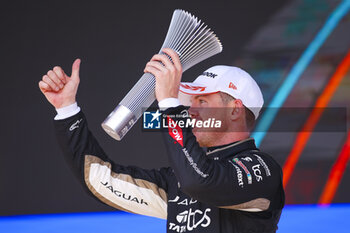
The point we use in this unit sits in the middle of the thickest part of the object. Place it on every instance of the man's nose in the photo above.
(193, 112)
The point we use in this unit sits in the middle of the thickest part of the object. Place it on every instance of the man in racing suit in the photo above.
(230, 186)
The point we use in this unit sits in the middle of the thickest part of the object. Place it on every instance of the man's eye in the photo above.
(202, 101)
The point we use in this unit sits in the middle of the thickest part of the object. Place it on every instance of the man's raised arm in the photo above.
(127, 188)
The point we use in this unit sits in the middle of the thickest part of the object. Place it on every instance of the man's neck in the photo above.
(228, 138)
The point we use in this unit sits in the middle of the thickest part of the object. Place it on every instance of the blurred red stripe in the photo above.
(322, 102)
(336, 174)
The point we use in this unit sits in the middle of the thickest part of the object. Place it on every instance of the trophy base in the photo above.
(119, 122)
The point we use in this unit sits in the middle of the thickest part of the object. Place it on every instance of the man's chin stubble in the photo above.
(202, 140)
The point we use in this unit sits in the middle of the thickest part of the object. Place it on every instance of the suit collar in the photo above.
(231, 149)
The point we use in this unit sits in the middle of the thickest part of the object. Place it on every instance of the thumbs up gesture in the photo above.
(59, 89)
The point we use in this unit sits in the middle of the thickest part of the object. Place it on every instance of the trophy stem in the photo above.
(130, 109)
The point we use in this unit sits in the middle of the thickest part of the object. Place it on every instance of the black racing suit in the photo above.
(232, 188)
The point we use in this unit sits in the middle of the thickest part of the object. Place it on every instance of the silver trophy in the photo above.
(193, 41)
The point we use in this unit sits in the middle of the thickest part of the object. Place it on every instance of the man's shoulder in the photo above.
(253, 156)
(260, 155)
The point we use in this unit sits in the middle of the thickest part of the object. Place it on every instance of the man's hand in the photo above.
(59, 89)
(168, 74)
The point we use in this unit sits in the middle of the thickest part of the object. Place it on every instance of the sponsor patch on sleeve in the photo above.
(245, 169)
(263, 164)
(239, 174)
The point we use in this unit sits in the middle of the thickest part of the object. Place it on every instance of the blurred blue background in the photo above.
(298, 218)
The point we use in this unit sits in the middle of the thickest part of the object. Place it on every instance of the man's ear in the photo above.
(237, 109)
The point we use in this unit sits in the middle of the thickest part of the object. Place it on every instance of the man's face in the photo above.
(208, 106)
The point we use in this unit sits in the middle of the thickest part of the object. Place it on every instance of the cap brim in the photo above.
(190, 89)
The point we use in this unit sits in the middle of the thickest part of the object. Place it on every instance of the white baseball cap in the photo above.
(228, 79)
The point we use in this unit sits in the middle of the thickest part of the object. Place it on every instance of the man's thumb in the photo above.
(75, 69)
